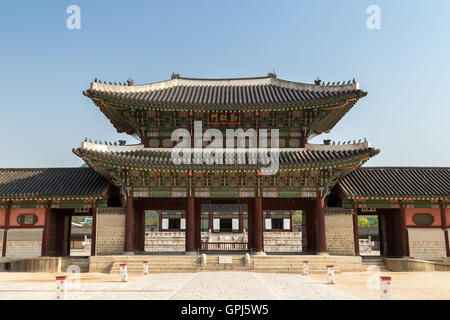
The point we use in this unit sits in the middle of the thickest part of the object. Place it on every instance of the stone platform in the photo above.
(261, 264)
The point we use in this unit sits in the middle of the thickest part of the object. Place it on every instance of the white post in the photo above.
(61, 288)
(305, 268)
(123, 272)
(386, 288)
(145, 267)
(330, 273)
(203, 259)
(247, 259)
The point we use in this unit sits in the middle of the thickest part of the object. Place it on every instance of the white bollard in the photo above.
(386, 288)
(145, 267)
(123, 272)
(247, 259)
(203, 259)
(305, 268)
(330, 273)
(61, 288)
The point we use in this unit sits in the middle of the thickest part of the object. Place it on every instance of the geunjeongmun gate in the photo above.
(230, 204)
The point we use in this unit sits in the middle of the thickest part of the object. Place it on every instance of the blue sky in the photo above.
(44, 66)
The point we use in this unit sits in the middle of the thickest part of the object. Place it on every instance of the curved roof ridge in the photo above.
(222, 82)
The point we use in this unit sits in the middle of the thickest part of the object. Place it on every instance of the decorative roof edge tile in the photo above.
(193, 82)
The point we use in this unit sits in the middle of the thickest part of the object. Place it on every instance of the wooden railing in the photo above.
(224, 246)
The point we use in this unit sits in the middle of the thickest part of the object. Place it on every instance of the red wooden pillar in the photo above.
(292, 221)
(198, 223)
(241, 222)
(320, 215)
(144, 141)
(403, 232)
(250, 226)
(258, 223)
(139, 230)
(355, 230)
(94, 230)
(444, 227)
(47, 232)
(310, 227)
(129, 226)
(210, 217)
(303, 139)
(68, 235)
(5, 231)
(190, 225)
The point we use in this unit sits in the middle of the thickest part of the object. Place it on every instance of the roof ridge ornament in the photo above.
(175, 76)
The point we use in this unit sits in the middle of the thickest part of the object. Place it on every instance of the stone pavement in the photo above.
(186, 286)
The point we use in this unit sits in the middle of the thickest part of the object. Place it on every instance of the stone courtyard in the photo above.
(226, 286)
(175, 286)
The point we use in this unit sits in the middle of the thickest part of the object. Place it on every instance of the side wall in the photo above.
(426, 243)
(22, 241)
(110, 231)
(339, 232)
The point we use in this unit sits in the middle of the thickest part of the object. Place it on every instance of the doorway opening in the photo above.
(369, 235)
(226, 225)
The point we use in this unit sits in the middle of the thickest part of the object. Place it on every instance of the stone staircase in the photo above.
(374, 261)
(264, 264)
(237, 263)
(156, 264)
(293, 264)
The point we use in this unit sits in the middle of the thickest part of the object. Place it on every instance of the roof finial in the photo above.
(272, 74)
(130, 82)
(175, 75)
(317, 82)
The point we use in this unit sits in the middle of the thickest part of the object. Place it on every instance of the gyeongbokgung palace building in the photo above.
(230, 204)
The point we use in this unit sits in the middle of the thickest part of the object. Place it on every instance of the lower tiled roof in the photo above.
(397, 182)
(51, 182)
(146, 158)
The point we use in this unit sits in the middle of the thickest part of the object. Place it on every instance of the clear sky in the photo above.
(404, 66)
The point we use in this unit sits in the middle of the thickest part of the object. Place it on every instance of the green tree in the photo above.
(297, 218)
(363, 222)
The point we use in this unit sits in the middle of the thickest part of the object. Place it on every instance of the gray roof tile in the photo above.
(51, 182)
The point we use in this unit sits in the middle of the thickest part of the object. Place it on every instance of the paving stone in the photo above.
(189, 286)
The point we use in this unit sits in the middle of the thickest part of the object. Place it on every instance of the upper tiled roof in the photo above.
(210, 93)
(52, 182)
(397, 182)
